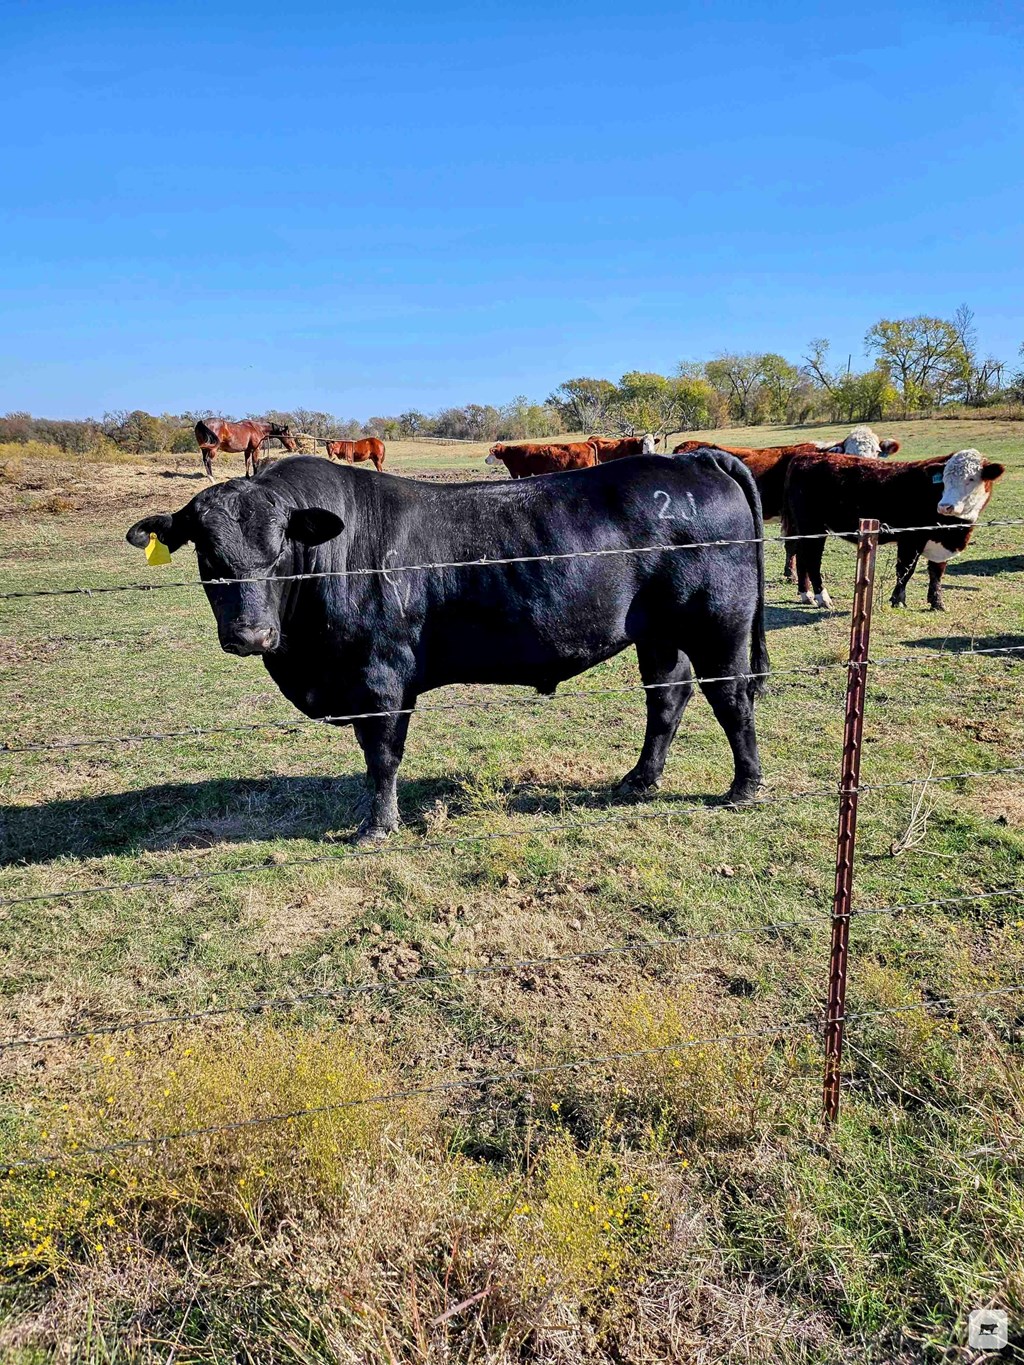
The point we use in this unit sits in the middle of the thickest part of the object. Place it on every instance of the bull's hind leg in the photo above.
(207, 454)
(732, 701)
(666, 674)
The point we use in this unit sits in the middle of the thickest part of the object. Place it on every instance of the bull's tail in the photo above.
(738, 471)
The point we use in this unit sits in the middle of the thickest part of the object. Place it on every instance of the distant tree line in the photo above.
(919, 364)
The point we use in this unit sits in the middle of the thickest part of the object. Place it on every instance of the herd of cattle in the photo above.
(811, 487)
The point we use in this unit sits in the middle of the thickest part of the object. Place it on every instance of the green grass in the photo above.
(758, 1238)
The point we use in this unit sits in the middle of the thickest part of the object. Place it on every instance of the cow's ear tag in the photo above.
(936, 478)
(156, 551)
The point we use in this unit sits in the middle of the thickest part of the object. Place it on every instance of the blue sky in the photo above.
(366, 208)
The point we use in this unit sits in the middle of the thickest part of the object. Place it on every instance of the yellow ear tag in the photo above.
(156, 551)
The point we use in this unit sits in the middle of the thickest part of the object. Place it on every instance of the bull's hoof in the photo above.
(807, 598)
(936, 606)
(743, 794)
(367, 835)
(637, 783)
(898, 602)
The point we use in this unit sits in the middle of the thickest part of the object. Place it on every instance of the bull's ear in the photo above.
(313, 525)
(993, 471)
(168, 528)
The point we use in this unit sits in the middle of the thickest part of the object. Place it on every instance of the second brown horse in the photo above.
(237, 437)
(355, 452)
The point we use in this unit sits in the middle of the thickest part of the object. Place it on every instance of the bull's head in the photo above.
(967, 479)
(650, 444)
(242, 530)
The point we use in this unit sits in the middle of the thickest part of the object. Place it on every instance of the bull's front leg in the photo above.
(382, 741)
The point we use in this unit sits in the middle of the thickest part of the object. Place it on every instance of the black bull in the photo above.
(350, 644)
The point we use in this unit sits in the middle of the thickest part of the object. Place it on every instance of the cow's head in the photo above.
(243, 530)
(493, 454)
(967, 479)
(650, 443)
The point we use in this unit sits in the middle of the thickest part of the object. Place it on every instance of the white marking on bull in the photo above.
(963, 490)
(938, 554)
(807, 598)
(822, 599)
(402, 598)
(692, 501)
(649, 444)
(665, 514)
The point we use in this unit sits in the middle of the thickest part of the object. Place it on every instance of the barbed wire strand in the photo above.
(485, 563)
(576, 826)
(270, 1003)
(399, 1096)
(492, 1078)
(483, 703)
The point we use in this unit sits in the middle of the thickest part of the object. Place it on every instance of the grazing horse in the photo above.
(354, 452)
(234, 437)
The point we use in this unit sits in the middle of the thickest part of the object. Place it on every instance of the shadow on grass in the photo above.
(779, 618)
(966, 644)
(195, 815)
(987, 568)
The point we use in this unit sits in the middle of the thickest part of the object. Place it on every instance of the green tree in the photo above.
(584, 404)
(522, 420)
(926, 357)
(738, 378)
(779, 387)
(137, 432)
(659, 404)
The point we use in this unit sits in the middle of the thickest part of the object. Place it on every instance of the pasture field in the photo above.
(672, 1199)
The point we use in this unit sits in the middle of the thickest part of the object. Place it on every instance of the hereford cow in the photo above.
(354, 452)
(235, 437)
(364, 634)
(770, 463)
(863, 441)
(768, 467)
(619, 448)
(525, 460)
(827, 492)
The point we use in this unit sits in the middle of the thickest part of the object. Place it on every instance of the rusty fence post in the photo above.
(846, 838)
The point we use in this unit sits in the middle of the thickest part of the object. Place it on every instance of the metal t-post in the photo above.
(846, 839)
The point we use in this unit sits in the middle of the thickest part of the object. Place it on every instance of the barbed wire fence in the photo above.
(828, 1030)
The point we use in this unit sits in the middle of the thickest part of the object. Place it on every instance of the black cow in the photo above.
(348, 644)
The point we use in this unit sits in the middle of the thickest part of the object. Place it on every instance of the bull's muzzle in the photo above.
(251, 640)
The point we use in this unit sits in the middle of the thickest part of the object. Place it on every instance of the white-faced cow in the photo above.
(827, 492)
(769, 465)
(350, 643)
(621, 447)
(862, 441)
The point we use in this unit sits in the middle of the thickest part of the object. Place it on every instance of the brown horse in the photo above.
(354, 452)
(234, 437)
